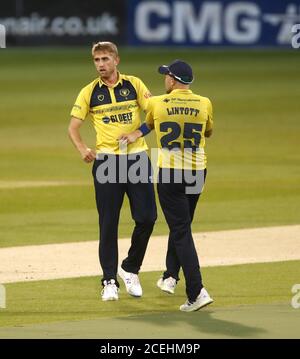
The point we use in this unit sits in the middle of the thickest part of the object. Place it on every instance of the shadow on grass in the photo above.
(202, 322)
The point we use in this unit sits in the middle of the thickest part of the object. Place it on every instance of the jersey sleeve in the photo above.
(81, 107)
(143, 94)
(150, 115)
(209, 123)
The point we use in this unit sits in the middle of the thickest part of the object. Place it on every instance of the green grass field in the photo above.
(253, 181)
(254, 173)
(247, 288)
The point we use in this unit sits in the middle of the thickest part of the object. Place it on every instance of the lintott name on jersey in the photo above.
(183, 111)
(125, 118)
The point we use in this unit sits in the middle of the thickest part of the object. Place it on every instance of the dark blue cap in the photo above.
(179, 70)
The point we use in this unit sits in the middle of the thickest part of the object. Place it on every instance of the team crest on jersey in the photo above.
(100, 98)
(124, 92)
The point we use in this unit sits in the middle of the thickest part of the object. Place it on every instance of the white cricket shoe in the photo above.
(110, 290)
(132, 283)
(202, 300)
(167, 285)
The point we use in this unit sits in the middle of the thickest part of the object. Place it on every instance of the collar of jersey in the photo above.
(181, 90)
(120, 81)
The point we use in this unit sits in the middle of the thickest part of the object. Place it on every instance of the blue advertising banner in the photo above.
(212, 23)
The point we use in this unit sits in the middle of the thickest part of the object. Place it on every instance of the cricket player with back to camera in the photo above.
(181, 120)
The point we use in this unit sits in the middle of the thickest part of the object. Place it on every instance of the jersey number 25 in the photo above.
(191, 135)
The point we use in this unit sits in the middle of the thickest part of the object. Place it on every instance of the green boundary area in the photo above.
(251, 300)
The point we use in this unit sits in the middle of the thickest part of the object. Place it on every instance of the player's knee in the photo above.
(147, 227)
(146, 221)
(146, 217)
(181, 227)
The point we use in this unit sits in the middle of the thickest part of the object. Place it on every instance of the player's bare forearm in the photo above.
(131, 137)
(86, 153)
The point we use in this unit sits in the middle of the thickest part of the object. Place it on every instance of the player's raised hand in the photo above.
(88, 155)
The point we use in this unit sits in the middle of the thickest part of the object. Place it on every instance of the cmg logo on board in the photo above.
(194, 23)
